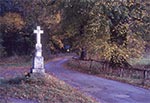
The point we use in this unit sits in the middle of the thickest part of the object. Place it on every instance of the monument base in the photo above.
(38, 65)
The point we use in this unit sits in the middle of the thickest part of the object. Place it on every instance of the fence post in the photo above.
(121, 72)
(79, 64)
(91, 64)
(144, 77)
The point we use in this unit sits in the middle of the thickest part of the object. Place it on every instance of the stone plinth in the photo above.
(38, 65)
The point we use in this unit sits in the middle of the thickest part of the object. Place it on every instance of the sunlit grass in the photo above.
(139, 61)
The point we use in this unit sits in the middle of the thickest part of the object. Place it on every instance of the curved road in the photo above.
(105, 91)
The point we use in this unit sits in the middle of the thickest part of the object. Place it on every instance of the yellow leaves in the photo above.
(58, 17)
(50, 20)
(135, 45)
(58, 41)
(13, 21)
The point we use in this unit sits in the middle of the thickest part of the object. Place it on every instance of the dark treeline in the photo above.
(13, 37)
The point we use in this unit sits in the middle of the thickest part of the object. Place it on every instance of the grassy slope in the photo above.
(46, 89)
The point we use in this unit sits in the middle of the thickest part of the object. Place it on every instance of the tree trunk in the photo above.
(83, 54)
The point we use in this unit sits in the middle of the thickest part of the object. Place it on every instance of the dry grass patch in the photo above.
(44, 89)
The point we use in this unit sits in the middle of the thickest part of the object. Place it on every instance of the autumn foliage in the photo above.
(12, 21)
(110, 30)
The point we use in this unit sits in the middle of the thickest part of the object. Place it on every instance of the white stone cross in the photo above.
(38, 31)
(38, 63)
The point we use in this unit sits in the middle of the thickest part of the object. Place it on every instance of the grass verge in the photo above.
(47, 89)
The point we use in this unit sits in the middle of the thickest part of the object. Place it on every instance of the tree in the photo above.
(11, 24)
(75, 17)
(21, 17)
(107, 31)
(2, 49)
(47, 14)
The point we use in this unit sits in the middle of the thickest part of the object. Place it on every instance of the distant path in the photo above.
(105, 91)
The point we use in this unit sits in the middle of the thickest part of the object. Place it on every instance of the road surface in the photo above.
(103, 90)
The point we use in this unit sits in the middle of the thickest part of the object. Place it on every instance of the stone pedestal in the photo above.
(38, 61)
(38, 65)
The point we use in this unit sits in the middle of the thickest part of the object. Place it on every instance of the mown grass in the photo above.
(141, 61)
(144, 60)
(16, 61)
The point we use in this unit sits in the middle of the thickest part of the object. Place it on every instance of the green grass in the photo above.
(16, 64)
(140, 61)
(15, 61)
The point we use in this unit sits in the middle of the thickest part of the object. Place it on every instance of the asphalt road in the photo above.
(103, 90)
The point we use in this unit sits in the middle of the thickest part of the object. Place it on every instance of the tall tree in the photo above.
(107, 31)
(11, 25)
(46, 13)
